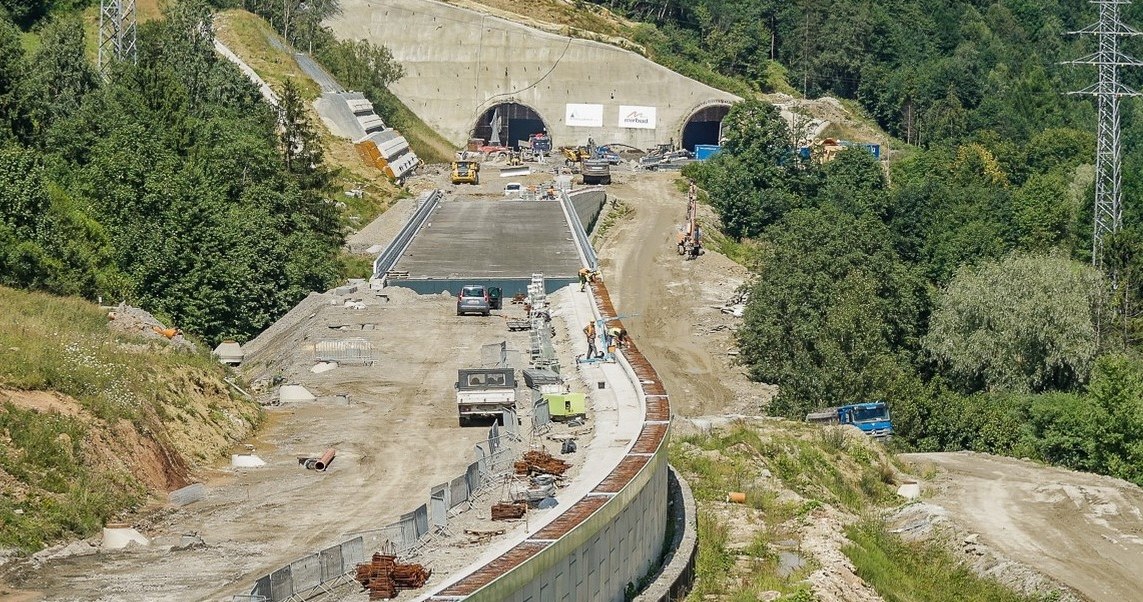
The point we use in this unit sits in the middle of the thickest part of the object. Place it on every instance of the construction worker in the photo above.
(584, 277)
(616, 336)
(589, 332)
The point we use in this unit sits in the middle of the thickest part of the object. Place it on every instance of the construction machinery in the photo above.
(871, 417)
(465, 172)
(690, 234)
(485, 393)
(594, 164)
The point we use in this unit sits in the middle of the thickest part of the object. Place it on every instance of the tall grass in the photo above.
(901, 571)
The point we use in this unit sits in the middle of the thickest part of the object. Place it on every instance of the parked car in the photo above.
(473, 299)
(513, 189)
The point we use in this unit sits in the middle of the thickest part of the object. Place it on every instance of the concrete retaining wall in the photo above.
(588, 204)
(460, 63)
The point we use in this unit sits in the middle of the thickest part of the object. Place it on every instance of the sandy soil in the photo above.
(1083, 530)
(397, 438)
(672, 306)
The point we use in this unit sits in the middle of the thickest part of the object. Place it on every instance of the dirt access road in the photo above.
(1083, 530)
(671, 305)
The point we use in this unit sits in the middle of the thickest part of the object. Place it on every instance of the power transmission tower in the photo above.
(1107, 91)
(116, 33)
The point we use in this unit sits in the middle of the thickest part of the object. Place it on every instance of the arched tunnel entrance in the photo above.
(507, 124)
(704, 126)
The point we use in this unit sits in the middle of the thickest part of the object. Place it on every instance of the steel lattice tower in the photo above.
(116, 33)
(1107, 91)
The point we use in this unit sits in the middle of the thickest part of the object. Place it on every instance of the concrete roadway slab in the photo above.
(492, 239)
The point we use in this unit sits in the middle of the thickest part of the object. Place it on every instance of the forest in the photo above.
(955, 282)
(169, 184)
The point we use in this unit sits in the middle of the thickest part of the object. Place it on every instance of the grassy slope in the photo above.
(248, 36)
(809, 468)
(126, 417)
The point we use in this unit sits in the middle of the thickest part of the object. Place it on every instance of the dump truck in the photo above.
(465, 172)
(596, 171)
(871, 417)
(485, 393)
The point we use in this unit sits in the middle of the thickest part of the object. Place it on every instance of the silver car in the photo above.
(473, 299)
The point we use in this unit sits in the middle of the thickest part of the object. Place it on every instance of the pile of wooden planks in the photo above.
(383, 576)
(540, 462)
(509, 510)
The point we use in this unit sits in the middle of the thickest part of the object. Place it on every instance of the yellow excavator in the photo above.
(465, 172)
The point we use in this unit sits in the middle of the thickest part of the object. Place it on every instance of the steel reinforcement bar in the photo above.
(388, 258)
(587, 516)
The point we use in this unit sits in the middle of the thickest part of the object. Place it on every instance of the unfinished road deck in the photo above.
(489, 241)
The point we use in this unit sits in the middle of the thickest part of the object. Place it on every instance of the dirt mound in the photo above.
(139, 322)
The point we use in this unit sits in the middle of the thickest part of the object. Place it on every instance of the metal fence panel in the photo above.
(511, 422)
(458, 491)
(281, 585)
(306, 573)
(494, 355)
(482, 454)
(352, 552)
(541, 413)
(331, 563)
(438, 505)
(421, 520)
(472, 478)
(262, 588)
(409, 535)
(346, 351)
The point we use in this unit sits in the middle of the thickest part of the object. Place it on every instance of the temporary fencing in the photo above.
(346, 351)
(308, 576)
(322, 571)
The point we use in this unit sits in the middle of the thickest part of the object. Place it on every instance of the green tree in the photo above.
(834, 314)
(301, 146)
(60, 74)
(15, 123)
(1026, 323)
(754, 181)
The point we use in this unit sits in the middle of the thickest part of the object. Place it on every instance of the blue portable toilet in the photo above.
(705, 151)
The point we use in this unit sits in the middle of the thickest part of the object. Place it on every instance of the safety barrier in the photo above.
(388, 258)
(578, 231)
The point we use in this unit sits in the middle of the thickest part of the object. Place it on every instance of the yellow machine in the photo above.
(465, 172)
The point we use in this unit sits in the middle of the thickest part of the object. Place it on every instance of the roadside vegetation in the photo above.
(956, 284)
(92, 423)
(800, 482)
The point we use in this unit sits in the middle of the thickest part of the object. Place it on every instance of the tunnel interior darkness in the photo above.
(704, 126)
(517, 122)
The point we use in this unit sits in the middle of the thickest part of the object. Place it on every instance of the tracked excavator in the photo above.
(690, 235)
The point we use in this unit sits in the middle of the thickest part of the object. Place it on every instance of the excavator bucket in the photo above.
(517, 170)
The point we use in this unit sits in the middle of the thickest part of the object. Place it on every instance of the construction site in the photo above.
(604, 320)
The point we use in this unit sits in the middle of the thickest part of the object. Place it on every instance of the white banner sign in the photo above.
(637, 117)
(584, 116)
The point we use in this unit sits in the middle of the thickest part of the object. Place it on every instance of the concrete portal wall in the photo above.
(460, 62)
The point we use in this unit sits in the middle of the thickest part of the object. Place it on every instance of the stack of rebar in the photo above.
(505, 510)
(383, 576)
(540, 462)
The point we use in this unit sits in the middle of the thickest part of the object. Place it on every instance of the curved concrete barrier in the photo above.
(677, 575)
(612, 539)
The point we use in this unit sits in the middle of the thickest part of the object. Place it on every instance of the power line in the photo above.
(1107, 90)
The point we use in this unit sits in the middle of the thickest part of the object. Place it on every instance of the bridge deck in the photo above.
(492, 239)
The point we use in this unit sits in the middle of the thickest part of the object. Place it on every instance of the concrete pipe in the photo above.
(325, 459)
